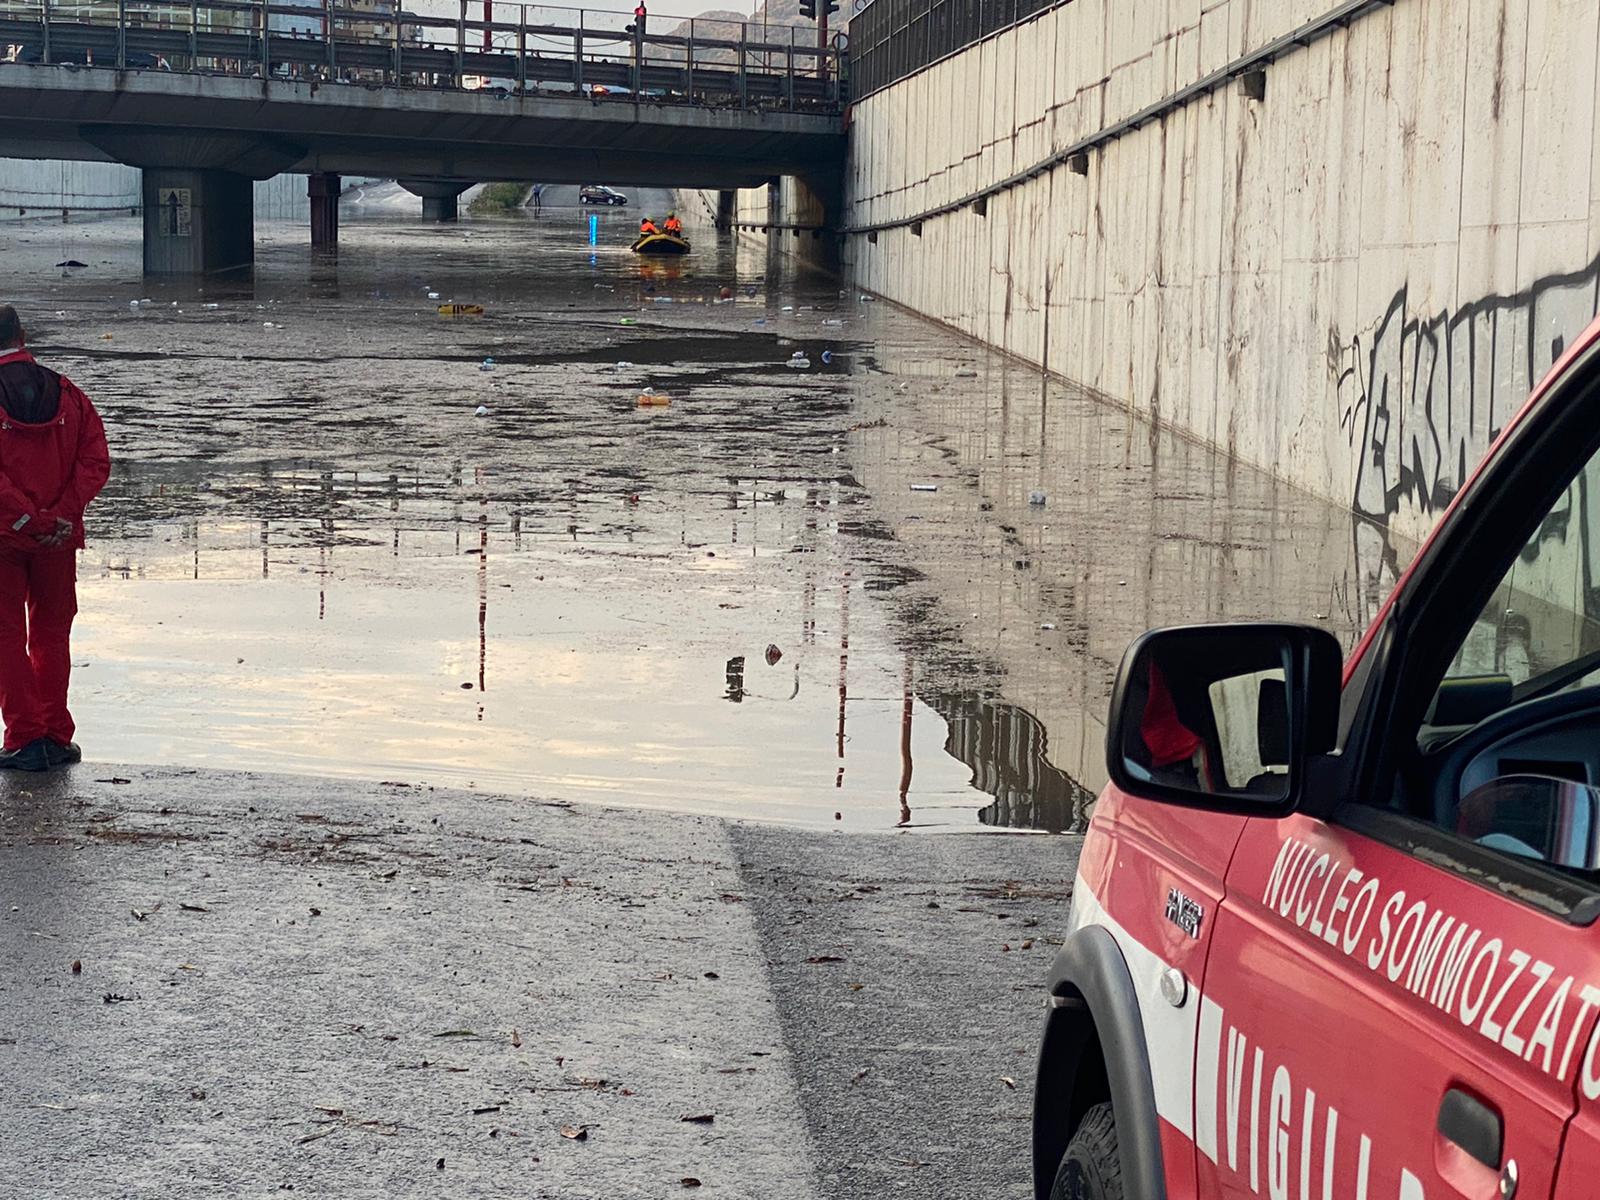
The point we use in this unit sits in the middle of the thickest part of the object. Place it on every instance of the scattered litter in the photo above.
(698, 1118)
(824, 958)
(458, 310)
(832, 321)
(1009, 1082)
(798, 361)
(211, 305)
(1036, 498)
(866, 299)
(481, 411)
(77, 967)
(486, 365)
(628, 321)
(827, 356)
(72, 264)
(575, 1133)
(967, 373)
(650, 398)
(689, 1181)
(433, 295)
(1048, 626)
(268, 325)
(759, 321)
(133, 304)
(924, 487)
(773, 655)
(725, 294)
(662, 299)
(787, 308)
(622, 365)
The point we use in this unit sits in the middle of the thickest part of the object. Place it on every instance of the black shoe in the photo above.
(62, 754)
(35, 756)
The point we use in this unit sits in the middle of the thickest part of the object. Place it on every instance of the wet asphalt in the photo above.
(249, 985)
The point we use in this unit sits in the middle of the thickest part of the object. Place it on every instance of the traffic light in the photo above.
(808, 9)
(832, 6)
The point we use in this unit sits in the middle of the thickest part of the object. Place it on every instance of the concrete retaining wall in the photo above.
(33, 189)
(1351, 282)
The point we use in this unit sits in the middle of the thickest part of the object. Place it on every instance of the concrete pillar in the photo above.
(727, 203)
(438, 196)
(198, 222)
(324, 187)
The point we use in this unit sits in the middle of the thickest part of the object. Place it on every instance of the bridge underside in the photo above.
(57, 112)
(258, 128)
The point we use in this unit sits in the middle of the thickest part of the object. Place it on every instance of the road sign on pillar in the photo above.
(177, 212)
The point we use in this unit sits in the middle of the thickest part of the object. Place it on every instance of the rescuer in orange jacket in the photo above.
(674, 226)
(53, 462)
(647, 227)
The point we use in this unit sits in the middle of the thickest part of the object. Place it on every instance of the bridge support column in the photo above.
(727, 208)
(439, 196)
(198, 222)
(324, 187)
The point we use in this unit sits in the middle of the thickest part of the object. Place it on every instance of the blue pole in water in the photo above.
(594, 229)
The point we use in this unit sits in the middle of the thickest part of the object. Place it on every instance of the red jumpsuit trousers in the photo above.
(38, 600)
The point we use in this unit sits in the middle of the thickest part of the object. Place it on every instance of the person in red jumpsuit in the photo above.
(53, 462)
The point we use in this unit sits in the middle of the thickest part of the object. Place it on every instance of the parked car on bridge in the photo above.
(594, 193)
(136, 60)
(1338, 923)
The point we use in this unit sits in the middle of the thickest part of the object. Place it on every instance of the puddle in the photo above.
(313, 557)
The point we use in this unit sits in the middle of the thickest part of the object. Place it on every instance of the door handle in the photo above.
(1469, 1123)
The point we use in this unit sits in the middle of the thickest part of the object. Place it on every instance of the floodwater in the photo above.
(315, 557)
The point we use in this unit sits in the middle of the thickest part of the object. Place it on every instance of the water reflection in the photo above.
(291, 568)
(1008, 751)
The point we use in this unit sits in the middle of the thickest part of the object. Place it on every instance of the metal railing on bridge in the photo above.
(890, 39)
(511, 49)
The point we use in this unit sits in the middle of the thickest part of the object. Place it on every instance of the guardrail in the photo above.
(513, 49)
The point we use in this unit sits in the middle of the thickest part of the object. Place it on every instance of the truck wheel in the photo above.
(1091, 1168)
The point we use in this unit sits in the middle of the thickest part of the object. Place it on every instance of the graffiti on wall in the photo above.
(1421, 398)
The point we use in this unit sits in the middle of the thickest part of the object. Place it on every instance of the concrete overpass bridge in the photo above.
(207, 96)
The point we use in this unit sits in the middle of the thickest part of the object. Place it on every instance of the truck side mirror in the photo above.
(1224, 717)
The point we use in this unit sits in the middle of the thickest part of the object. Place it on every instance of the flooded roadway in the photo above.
(314, 557)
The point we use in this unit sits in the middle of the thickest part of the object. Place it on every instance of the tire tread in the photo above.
(1091, 1169)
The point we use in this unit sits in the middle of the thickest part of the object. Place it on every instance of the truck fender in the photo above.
(1092, 1000)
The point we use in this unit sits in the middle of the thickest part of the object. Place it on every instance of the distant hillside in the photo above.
(720, 24)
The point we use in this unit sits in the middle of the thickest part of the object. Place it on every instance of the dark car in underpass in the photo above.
(594, 193)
